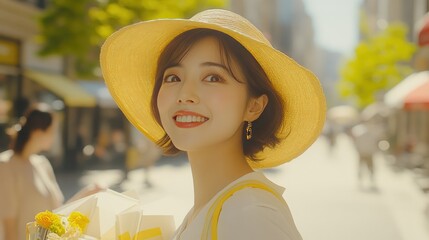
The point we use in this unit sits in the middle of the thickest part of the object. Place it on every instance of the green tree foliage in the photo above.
(65, 28)
(114, 14)
(379, 63)
(77, 28)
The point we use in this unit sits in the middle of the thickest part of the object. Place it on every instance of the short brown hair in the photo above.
(266, 127)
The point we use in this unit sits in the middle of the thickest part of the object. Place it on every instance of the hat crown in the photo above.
(231, 21)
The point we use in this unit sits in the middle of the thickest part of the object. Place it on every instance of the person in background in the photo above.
(27, 181)
(142, 153)
(366, 137)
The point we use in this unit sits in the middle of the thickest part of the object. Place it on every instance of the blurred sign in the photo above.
(9, 52)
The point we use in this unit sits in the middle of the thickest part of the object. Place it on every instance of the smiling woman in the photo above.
(220, 92)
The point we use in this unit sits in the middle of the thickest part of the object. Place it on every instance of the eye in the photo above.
(213, 78)
(171, 78)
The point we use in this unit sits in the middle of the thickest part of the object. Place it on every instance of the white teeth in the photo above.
(190, 119)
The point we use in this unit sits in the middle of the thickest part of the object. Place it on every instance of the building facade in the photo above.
(26, 78)
(289, 28)
(379, 13)
(407, 129)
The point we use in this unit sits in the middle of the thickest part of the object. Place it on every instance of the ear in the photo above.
(256, 107)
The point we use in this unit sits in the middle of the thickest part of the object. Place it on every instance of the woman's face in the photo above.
(201, 105)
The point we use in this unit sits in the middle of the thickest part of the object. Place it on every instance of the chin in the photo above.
(186, 146)
(181, 147)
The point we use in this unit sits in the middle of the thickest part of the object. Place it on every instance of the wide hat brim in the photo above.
(129, 60)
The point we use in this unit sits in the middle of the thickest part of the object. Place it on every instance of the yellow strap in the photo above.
(142, 235)
(213, 213)
(148, 233)
(124, 236)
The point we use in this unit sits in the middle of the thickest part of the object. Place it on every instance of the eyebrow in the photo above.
(173, 65)
(228, 70)
(207, 64)
(210, 64)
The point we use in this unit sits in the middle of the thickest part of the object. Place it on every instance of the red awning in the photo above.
(423, 31)
(396, 96)
(418, 99)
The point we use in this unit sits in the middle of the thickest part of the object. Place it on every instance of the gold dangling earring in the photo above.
(249, 130)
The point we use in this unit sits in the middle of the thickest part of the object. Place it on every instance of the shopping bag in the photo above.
(114, 215)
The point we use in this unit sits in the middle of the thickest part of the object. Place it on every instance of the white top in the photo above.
(250, 213)
(27, 187)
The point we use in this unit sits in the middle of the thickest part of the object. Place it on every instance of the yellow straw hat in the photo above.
(129, 61)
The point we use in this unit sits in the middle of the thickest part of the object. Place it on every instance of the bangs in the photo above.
(227, 59)
(181, 45)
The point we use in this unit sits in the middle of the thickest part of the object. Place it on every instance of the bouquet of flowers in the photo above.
(107, 215)
(52, 226)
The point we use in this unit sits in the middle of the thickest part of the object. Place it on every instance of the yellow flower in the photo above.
(57, 227)
(46, 219)
(78, 220)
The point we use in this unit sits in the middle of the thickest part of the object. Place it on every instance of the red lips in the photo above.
(188, 119)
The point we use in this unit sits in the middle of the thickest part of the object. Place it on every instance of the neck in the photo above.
(27, 151)
(214, 170)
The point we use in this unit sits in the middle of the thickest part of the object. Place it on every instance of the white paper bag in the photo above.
(114, 215)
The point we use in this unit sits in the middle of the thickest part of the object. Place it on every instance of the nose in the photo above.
(188, 93)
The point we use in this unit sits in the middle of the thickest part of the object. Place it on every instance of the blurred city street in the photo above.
(370, 56)
(322, 191)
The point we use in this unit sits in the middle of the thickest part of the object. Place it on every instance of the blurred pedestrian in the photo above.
(366, 144)
(366, 137)
(330, 132)
(142, 153)
(27, 181)
(214, 87)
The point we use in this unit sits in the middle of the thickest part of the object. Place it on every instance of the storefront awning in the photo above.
(100, 91)
(396, 97)
(418, 99)
(69, 91)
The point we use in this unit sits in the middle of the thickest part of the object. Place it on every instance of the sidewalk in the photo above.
(328, 203)
(321, 189)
